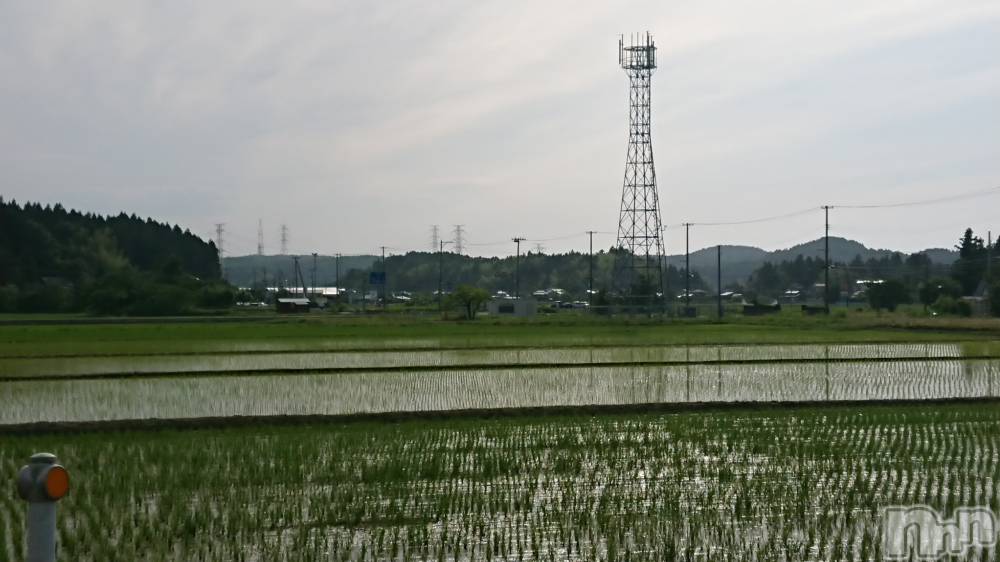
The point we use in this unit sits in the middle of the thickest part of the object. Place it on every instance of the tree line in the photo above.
(889, 281)
(421, 272)
(884, 282)
(58, 260)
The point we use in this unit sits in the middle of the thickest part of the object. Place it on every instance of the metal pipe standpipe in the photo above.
(42, 482)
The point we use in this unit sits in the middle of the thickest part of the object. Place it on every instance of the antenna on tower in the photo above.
(260, 237)
(638, 263)
(435, 237)
(284, 240)
(458, 238)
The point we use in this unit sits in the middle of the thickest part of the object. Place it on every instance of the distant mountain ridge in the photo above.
(738, 262)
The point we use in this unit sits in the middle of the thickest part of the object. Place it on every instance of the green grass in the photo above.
(776, 484)
(402, 332)
(773, 484)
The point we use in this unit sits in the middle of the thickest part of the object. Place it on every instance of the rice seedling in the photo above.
(261, 360)
(71, 400)
(789, 484)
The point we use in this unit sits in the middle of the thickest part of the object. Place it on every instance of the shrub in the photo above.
(950, 305)
(930, 292)
(8, 298)
(468, 298)
(216, 296)
(888, 295)
(42, 298)
(160, 299)
(995, 299)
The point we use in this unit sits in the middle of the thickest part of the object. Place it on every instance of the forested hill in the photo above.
(739, 262)
(418, 271)
(54, 259)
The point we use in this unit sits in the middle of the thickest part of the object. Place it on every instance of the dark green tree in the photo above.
(766, 281)
(931, 291)
(970, 268)
(55, 260)
(887, 295)
(468, 299)
(995, 299)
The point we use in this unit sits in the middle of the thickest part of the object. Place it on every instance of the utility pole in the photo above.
(384, 278)
(989, 267)
(517, 267)
(260, 237)
(989, 257)
(299, 278)
(458, 238)
(220, 231)
(661, 265)
(314, 273)
(847, 286)
(260, 251)
(590, 292)
(664, 280)
(435, 237)
(337, 278)
(284, 240)
(687, 268)
(440, 295)
(826, 270)
(718, 257)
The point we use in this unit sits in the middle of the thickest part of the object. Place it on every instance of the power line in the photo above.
(552, 239)
(498, 243)
(556, 238)
(962, 196)
(748, 221)
(959, 197)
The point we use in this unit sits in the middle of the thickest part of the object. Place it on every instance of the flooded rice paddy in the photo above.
(789, 484)
(263, 360)
(69, 400)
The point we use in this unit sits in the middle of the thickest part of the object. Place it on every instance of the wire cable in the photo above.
(747, 221)
(479, 244)
(959, 197)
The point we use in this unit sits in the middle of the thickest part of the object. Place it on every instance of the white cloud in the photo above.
(360, 123)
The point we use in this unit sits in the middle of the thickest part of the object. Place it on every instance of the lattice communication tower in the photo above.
(638, 262)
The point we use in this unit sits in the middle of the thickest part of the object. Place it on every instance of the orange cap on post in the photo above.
(56, 482)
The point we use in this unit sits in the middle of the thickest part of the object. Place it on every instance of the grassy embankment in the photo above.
(317, 332)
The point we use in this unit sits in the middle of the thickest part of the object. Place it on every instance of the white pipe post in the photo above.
(42, 483)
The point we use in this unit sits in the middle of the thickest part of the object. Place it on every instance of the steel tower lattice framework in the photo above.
(638, 263)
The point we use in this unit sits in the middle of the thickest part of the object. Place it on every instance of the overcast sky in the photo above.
(360, 124)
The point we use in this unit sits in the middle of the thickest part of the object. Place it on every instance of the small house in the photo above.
(292, 305)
